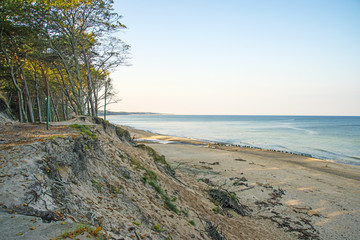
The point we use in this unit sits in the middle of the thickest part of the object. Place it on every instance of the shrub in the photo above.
(171, 205)
(186, 212)
(157, 228)
(84, 129)
(122, 133)
(97, 185)
(136, 223)
(168, 203)
(153, 154)
(157, 188)
(55, 136)
(150, 175)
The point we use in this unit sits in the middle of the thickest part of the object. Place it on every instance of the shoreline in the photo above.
(166, 139)
(307, 160)
(332, 138)
(321, 195)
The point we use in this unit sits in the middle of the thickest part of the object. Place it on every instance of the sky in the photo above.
(240, 57)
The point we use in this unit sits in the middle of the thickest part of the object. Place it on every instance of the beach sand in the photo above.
(305, 197)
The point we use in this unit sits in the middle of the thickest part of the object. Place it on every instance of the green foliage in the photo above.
(153, 154)
(122, 132)
(170, 204)
(157, 228)
(84, 129)
(157, 188)
(63, 42)
(136, 223)
(218, 210)
(150, 175)
(126, 175)
(158, 158)
(185, 212)
(113, 189)
(136, 163)
(192, 222)
(97, 185)
(55, 136)
(167, 199)
(230, 195)
(144, 180)
(152, 178)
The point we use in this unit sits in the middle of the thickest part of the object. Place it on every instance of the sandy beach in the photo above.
(316, 198)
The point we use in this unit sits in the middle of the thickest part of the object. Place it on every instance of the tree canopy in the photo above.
(64, 50)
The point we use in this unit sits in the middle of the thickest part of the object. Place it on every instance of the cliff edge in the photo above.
(87, 178)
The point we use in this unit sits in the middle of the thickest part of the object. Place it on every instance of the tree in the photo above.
(13, 37)
(74, 31)
(62, 48)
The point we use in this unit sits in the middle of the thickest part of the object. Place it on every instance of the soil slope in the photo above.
(90, 179)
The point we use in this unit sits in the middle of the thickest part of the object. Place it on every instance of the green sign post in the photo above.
(47, 112)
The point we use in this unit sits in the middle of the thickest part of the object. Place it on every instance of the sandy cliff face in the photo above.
(92, 173)
(98, 177)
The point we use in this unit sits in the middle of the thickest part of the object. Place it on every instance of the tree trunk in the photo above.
(55, 109)
(88, 107)
(105, 100)
(37, 96)
(27, 94)
(81, 95)
(47, 91)
(65, 91)
(90, 83)
(63, 106)
(20, 107)
(22, 115)
(26, 89)
(76, 96)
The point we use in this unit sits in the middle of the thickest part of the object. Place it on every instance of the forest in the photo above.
(59, 53)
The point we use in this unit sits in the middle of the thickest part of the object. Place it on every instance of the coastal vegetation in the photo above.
(60, 51)
(84, 129)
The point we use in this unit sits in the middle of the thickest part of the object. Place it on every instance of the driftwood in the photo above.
(304, 232)
(46, 216)
(213, 232)
(207, 181)
(214, 163)
(240, 160)
(228, 200)
(244, 189)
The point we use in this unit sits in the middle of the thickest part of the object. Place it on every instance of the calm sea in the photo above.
(333, 138)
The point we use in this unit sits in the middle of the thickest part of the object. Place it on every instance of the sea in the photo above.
(334, 138)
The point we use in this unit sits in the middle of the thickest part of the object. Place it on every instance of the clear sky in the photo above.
(270, 57)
